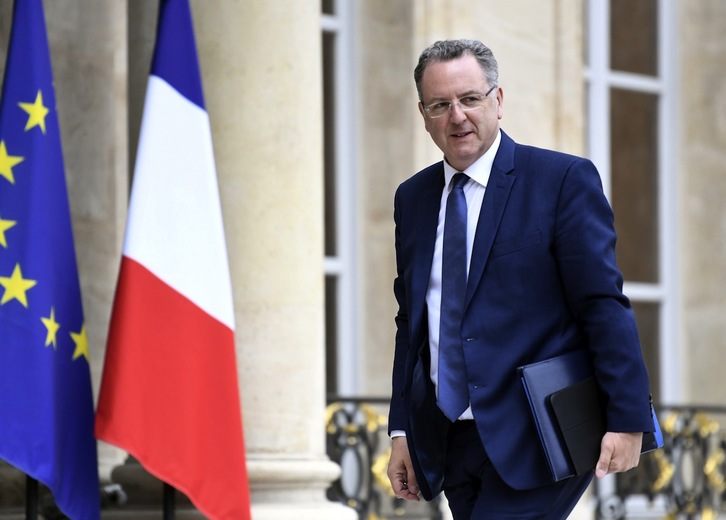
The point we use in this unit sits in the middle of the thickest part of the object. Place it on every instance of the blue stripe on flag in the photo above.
(175, 57)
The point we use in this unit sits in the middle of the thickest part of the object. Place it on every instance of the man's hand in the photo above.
(618, 452)
(400, 471)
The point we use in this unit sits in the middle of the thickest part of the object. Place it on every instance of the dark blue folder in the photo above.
(568, 413)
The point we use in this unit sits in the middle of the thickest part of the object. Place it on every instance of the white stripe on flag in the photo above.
(175, 220)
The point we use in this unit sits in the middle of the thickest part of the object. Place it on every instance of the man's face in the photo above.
(463, 136)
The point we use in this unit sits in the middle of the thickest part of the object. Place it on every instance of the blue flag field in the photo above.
(46, 401)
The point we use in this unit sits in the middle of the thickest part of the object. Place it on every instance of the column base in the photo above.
(322, 511)
(284, 488)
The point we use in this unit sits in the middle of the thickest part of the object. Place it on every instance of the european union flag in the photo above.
(46, 402)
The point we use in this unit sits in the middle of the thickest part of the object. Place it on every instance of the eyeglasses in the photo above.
(470, 102)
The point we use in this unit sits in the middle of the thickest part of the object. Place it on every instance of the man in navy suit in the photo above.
(542, 281)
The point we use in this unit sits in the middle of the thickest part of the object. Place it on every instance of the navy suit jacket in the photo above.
(542, 281)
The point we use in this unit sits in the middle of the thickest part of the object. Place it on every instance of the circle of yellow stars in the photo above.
(15, 285)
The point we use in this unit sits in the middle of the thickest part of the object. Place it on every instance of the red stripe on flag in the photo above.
(169, 393)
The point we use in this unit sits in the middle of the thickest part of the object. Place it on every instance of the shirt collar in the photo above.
(482, 167)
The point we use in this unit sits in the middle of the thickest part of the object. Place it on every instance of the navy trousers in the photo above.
(476, 492)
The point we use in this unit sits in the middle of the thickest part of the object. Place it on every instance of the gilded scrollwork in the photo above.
(684, 480)
(686, 476)
(357, 439)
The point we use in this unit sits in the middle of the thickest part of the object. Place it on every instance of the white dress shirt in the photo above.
(474, 191)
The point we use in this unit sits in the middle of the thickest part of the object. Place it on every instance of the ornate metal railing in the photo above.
(685, 480)
(357, 440)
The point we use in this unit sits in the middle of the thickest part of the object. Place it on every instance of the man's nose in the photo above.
(456, 114)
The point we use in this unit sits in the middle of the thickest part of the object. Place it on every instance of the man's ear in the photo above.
(500, 102)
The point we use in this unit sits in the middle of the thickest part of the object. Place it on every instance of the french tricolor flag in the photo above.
(169, 393)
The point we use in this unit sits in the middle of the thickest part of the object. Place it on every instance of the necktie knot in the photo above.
(459, 180)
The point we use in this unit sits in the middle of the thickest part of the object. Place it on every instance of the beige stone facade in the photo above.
(701, 126)
(261, 66)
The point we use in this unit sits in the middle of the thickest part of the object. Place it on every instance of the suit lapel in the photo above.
(495, 200)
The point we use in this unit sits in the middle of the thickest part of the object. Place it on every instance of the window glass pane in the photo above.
(634, 162)
(329, 142)
(634, 36)
(328, 6)
(647, 315)
(331, 335)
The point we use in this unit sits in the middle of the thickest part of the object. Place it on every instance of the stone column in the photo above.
(261, 68)
(700, 189)
(89, 57)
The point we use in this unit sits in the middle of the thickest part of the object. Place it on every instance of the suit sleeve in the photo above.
(397, 413)
(585, 250)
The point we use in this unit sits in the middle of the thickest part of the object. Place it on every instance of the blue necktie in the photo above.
(452, 384)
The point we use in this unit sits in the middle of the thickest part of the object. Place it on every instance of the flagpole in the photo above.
(31, 498)
(169, 501)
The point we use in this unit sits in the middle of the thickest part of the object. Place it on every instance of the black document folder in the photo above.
(579, 416)
(568, 413)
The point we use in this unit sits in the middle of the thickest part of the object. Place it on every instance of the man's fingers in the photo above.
(402, 488)
(400, 471)
(607, 448)
(407, 493)
(618, 452)
(603, 463)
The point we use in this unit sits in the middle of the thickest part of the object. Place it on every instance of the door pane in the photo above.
(331, 247)
(648, 317)
(634, 161)
(331, 335)
(634, 36)
(328, 6)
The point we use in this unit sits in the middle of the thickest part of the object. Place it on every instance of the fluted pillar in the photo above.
(261, 68)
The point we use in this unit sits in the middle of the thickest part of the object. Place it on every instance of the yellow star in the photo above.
(52, 327)
(36, 112)
(7, 162)
(81, 341)
(15, 287)
(4, 226)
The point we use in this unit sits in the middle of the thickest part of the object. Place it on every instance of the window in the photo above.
(631, 138)
(340, 198)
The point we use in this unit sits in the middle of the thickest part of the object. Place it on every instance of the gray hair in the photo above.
(447, 50)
